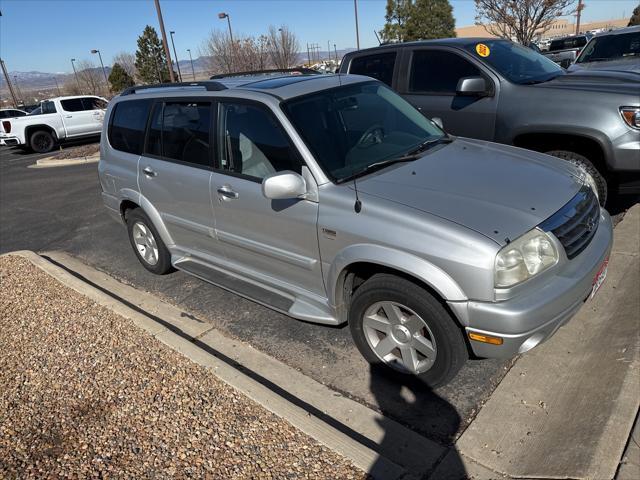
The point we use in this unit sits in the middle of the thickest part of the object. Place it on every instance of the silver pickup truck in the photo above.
(497, 90)
(564, 51)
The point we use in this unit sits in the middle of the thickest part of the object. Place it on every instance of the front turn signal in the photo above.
(478, 337)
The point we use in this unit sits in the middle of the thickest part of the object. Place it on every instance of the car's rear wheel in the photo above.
(41, 141)
(585, 164)
(400, 325)
(147, 244)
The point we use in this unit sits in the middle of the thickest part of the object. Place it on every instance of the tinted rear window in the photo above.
(72, 105)
(567, 43)
(379, 66)
(128, 122)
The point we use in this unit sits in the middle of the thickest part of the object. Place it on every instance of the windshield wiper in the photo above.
(413, 154)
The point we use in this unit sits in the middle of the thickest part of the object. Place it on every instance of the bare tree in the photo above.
(251, 53)
(217, 51)
(520, 19)
(70, 87)
(244, 54)
(91, 77)
(127, 60)
(284, 46)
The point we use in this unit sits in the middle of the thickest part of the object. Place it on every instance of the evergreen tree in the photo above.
(408, 20)
(119, 78)
(151, 61)
(635, 17)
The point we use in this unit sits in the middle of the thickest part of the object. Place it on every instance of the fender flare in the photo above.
(149, 210)
(412, 265)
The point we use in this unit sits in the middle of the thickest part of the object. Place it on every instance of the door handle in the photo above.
(149, 172)
(68, 116)
(226, 193)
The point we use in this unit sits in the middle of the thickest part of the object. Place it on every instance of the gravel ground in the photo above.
(79, 151)
(85, 393)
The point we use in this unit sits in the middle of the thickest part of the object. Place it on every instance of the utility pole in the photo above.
(193, 71)
(76, 74)
(308, 56)
(578, 13)
(335, 51)
(175, 55)
(355, 7)
(57, 86)
(15, 82)
(6, 77)
(164, 42)
(328, 50)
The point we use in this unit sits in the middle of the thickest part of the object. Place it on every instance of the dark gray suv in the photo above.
(497, 90)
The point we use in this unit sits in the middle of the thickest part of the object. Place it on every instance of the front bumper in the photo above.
(530, 318)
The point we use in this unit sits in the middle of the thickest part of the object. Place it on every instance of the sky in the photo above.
(43, 35)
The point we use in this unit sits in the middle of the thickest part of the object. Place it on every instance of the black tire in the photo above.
(583, 162)
(451, 348)
(42, 141)
(163, 263)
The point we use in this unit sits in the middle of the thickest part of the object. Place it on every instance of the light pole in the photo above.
(175, 55)
(222, 16)
(355, 7)
(76, 74)
(164, 42)
(335, 50)
(104, 72)
(193, 71)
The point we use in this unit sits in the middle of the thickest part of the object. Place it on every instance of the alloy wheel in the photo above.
(145, 243)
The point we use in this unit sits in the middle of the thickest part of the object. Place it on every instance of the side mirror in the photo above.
(438, 122)
(283, 185)
(473, 87)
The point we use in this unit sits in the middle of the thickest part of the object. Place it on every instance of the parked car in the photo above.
(497, 90)
(617, 50)
(9, 113)
(564, 51)
(331, 199)
(55, 121)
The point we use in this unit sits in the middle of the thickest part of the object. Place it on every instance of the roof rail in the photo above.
(298, 70)
(209, 86)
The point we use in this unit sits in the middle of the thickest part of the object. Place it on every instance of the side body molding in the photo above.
(408, 263)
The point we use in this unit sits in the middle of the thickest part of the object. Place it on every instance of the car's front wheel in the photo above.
(396, 323)
(147, 244)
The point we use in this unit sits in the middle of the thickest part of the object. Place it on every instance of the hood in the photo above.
(603, 81)
(628, 64)
(499, 191)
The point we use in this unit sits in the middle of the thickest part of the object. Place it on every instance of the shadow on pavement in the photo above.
(393, 392)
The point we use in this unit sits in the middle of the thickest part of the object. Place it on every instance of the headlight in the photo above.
(587, 179)
(631, 116)
(523, 258)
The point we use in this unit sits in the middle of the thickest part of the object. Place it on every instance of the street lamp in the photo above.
(76, 74)
(192, 69)
(175, 55)
(102, 65)
(222, 16)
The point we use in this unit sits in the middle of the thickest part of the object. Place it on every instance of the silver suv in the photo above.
(333, 200)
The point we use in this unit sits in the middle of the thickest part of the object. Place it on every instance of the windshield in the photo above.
(516, 63)
(350, 128)
(611, 47)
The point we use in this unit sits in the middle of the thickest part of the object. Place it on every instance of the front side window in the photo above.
(355, 126)
(252, 142)
(180, 131)
(437, 71)
(128, 122)
(516, 63)
(612, 47)
(72, 105)
(48, 107)
(379, 66)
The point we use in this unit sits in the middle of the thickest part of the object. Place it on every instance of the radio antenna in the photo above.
(358, 205)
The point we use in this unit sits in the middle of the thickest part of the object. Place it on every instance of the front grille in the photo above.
(576, 223)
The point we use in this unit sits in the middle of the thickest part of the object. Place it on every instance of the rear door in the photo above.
(431, 86)
(381, 65)
(175, 170)
(77, 117)
(98, 107)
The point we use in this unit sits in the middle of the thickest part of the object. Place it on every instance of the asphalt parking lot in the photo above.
(60, 209)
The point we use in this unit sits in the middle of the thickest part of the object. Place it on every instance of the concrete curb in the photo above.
(340, 423)
(53, 162)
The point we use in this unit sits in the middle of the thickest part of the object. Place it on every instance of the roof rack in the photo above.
(209, 86)
(298, 70)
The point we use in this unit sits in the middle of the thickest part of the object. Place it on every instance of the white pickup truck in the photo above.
(54, 121)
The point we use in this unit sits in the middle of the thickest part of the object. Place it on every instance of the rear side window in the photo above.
(72, 105)
(379, 66)
(567, 43)
(93, 103)
(180, 131)
(437, 71)
(128, 122)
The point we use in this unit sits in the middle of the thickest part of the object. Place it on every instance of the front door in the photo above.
(431, 87)
(175, 170)
(262, 237)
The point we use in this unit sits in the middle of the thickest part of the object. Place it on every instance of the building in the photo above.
(559, 28)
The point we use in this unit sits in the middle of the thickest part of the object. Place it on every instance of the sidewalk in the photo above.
(85, 392)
